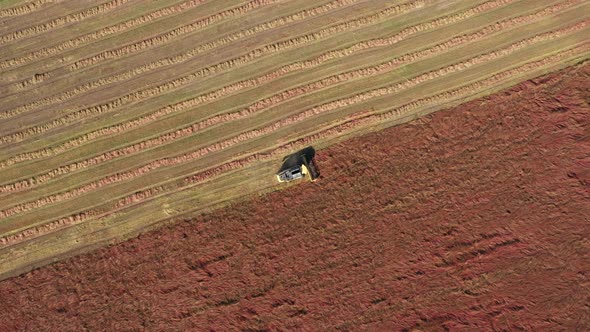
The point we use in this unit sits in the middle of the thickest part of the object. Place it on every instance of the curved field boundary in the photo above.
(290, 120)
(99, 34)
(221, 66)
(60, 21)
(302, 15)
(300, 65)
(364, 118)
(26, 8)
(280, 97)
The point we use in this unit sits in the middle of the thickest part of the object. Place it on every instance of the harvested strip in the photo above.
(405, 33)
(71, 18)
(300, 65)
(96, 35)
(479, 85)
(170, 35)
(285, 95)
(167, 61)
(222, 66)
(405, 59)
(290, 120)
(364, 118)
(26, 8)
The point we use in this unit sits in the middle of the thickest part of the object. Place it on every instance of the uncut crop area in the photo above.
(118, 116)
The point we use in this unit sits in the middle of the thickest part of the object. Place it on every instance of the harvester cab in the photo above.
(298, 165)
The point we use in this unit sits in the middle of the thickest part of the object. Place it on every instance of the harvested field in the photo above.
(117, 116)
(474, 218)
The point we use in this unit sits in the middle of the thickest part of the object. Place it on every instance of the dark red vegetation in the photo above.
(474, 218)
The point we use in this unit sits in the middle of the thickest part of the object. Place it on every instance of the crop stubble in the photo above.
(307, 64)
(22, 228)
(26, 8)
(156, 164)
(304, 89)
(60, 21)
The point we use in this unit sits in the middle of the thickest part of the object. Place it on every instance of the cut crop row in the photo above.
(169, 36)
(60, 21)
(288, 121)
(226, 65)
(172, 60)
(365, 118)
(26, 8)
(222, 66)
(272, 101)
(99, 34)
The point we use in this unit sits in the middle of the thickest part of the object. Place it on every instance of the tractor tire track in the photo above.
(364, 118)
(100, 34)
(306, 64)
(175, 60)
(274, 100)
(61, 21)
(288, 121)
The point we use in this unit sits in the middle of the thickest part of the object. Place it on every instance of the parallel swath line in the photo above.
(26, 8)
(384, 67)
(169, 36)
(222, 66)
(302, 15)
(60, 21)
(363, 118)
(300, 65)
(288, 121)
(100, 34)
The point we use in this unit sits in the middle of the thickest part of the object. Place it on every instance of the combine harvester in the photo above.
(298, 165)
